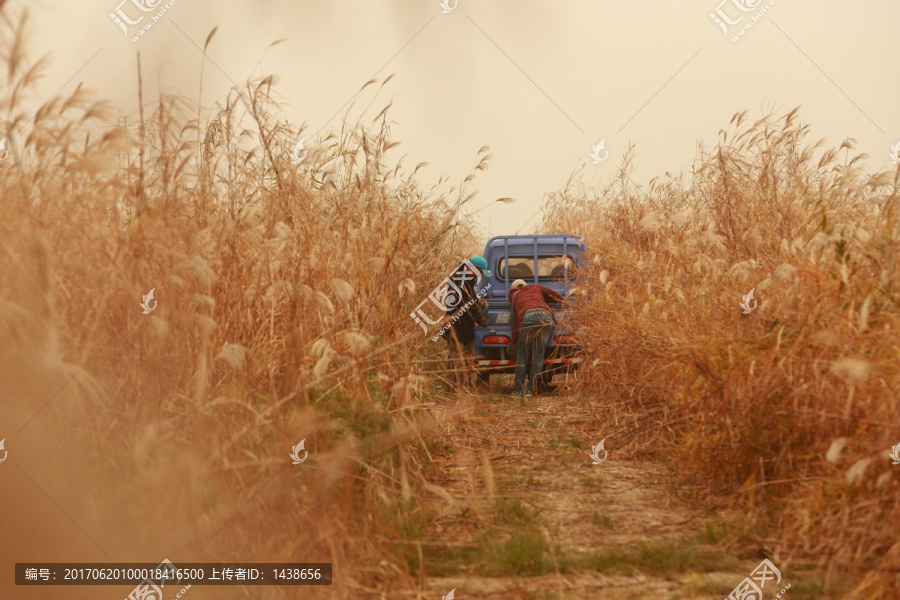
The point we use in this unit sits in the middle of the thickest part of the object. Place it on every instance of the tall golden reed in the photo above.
(747, 405)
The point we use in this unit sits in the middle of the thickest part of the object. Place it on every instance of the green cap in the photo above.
(479, 262)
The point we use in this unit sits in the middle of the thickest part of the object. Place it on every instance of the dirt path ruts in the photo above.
(546, 487)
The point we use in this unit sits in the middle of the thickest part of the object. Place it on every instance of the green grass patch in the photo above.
(659, 559)
(522, 552)
(410, 523)
(710, 535)
(450, 560)
(526, 553)
(804, 587)
(522, 480)
(666, 559)
(601, 520)
(809, 587)
(513, 513)
(715, 588)
(592, 482)
(353, 414)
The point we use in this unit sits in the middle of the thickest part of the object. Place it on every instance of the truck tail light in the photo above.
(496, 339)
(565, 340)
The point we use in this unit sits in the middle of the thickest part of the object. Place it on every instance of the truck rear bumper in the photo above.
(508, 366)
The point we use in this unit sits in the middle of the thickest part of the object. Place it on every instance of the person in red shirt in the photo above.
(532, 318)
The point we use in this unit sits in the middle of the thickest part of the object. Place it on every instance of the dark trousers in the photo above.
(534, 334)
(460, 362)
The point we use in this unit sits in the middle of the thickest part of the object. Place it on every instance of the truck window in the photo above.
(549, 267)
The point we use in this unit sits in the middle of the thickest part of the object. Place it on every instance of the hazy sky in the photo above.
(538, 82)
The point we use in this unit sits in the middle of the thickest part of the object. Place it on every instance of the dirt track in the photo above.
(594, 519)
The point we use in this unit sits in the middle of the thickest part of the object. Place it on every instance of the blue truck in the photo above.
(548, 260)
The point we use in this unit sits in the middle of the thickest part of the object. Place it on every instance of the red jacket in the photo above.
(527, 298)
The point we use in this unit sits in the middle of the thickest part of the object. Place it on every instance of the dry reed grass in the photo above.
(746, 406)
(284, 294)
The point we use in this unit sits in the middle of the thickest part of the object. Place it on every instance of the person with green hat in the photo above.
(466, 309)
(481, 263)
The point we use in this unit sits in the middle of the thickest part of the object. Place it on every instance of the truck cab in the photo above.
(549, 260)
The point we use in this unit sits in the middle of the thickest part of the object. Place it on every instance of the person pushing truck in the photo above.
(553, 261)
(467, 311)
(532, 319)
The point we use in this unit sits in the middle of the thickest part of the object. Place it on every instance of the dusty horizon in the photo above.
(540, 84)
